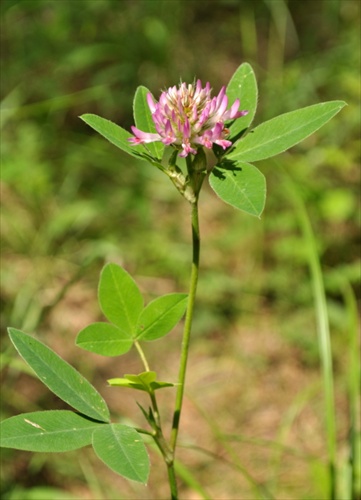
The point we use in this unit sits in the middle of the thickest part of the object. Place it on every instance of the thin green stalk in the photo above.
(353, 382)
(187, 327)
(196, 174)
(157, 428)
(142, 355)
(156, 413)
(157, 433)
(172, 482)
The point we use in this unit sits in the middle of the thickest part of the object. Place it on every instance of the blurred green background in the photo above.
(71, 202)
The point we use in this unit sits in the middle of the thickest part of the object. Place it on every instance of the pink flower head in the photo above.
(188, 117)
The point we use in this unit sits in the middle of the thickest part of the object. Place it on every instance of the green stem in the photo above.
(172, 482)
(156, 413)
(142, 355)
(157, 433)
(187, 327)
(153, 399)
(196, 173)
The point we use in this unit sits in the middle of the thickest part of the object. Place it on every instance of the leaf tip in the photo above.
(86, 116)
(14, 331)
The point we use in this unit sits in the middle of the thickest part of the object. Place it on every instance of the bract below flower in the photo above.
(188, 117)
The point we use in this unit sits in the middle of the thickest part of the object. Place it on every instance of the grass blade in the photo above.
(354, 391)
(323, 330)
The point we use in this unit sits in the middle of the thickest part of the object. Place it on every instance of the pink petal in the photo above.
(224, 143)
(221, 95)
(150, 102)
(222, 106)
(143, 137)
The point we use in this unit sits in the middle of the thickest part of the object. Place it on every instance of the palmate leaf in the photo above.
(105, 339)
(143, 120)
(243, 86)
(60, 377)
(120, 298)
(279, 134)
(241, 185)
(161, 315)
(121, 448)
(47, 431)
(122, 303)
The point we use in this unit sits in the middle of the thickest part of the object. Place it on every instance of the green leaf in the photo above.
(104, 339)
(243, 86)
(143, 120)
(61, 378)
(115, 134)
(161, 315)
(124, 382)
(276, 135)
(121, 448)
(241, 185)
(145, 381)
(145, 377)
(50, 431)
(120, 298)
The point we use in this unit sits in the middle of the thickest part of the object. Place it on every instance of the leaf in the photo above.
(243, 186)
(144, 377)
(124, 382)
(243, 86)
(161, 315)
(115, 134)
(49, 431)
(143, 120)
(120, 298)
(61, 378)
(104, 339)
(275, 136)
(121, 448)
(145, 381)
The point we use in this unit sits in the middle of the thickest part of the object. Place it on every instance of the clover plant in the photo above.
(218, 143)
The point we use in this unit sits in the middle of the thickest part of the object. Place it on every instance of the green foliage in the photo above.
(120, 298)
(143, 120)
(61, 63)
(105, 339)
(59, 431)
(121, 448)
(118, 446)
(281, 133)
(61, 378)
(47, 431)
(160, 316)
(243, 86)
(146, 381)
(114, 133)
(241, 185)
(122, 303)
(236, 182)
